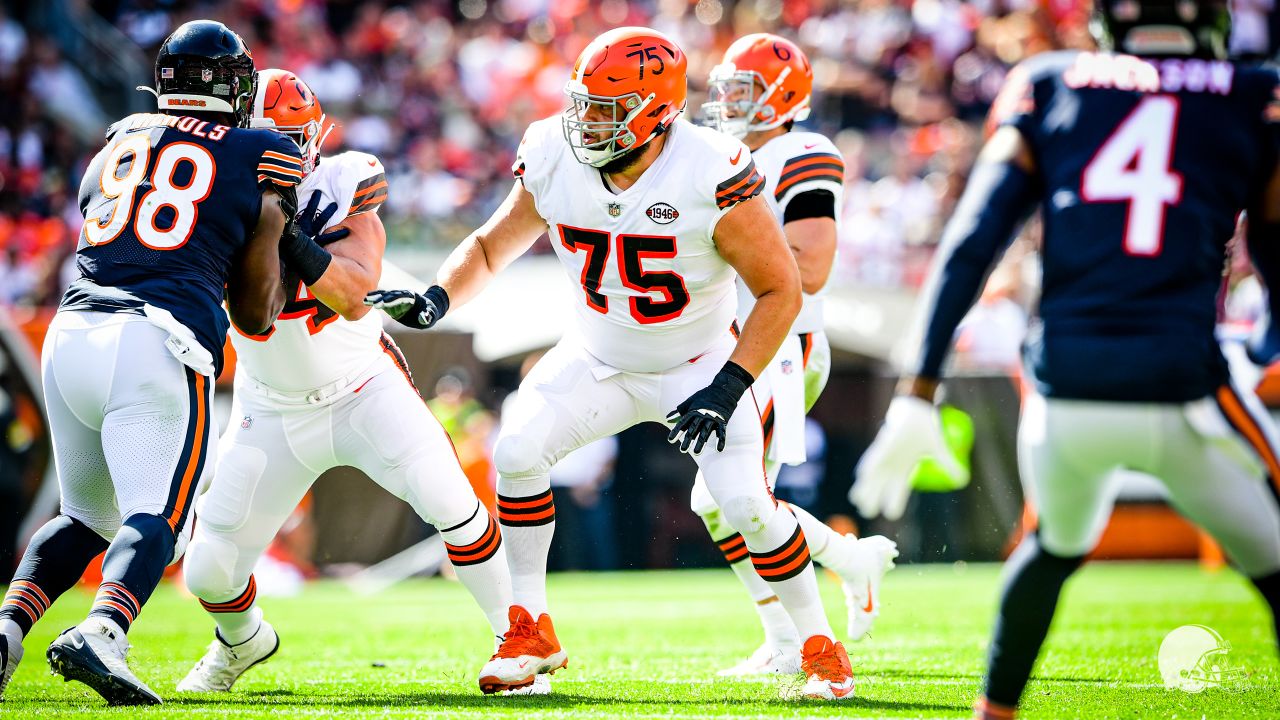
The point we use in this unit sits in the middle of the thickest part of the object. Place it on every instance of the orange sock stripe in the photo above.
(486, 538)
(479, 551)
(1239, 417)
(32, 587)
(102, 601)
(23, 603)
(118, 592)
(511, 503)
(786, 562)
(525, 519)
(240, 603)
(734, 548)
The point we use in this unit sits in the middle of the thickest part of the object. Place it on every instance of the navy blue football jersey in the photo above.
(168, 204)
(1146, 166)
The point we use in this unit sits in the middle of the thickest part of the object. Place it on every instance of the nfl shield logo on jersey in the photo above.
(614, 209)
(786, 367)
(206, 75)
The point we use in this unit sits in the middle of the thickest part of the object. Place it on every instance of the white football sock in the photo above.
(820, 537)
(779, 631)
(780, 543)
(475, 549)
(236, 628)
(526, 514)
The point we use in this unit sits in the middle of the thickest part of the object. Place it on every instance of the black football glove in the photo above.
(707, 411)
(409, 308)
(312, 221)
(302, 244)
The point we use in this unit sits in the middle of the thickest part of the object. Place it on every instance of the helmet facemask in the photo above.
(309, 137)
(596, 142)
(738, 101)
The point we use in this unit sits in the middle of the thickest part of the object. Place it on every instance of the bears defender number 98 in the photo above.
(651, 217)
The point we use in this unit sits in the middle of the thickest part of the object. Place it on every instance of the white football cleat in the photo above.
(541, 685)
(861, 564)
(223, 664)
(93, 653)
(766, 660)
(10, 656)
(828, 675)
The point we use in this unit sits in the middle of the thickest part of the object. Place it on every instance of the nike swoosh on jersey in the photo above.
(806, 147)
(734, 160)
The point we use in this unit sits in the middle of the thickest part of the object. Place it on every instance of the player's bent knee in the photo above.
(515, 456)
(210, 568)
(748, 513)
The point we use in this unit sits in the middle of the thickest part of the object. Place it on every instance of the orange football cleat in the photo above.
(528, 649)
(826, 667)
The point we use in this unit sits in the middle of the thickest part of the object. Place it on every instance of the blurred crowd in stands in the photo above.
(442, 90)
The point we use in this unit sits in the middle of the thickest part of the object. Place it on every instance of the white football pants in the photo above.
(131, 426)
(1216, 456)
(274, 449)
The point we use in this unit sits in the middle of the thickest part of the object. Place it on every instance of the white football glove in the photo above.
(912, 431)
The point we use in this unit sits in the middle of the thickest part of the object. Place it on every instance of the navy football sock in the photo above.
(56, 558)
(1033, 581)
(133, 567)
(1269, 586)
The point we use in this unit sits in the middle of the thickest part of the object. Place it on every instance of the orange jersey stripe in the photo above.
(370, 189)
(822, 174)
(799, 163)
(281, 156)
(268, 167)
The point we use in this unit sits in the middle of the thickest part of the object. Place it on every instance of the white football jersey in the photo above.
(654, 291)
(311, 346)
(793, 163)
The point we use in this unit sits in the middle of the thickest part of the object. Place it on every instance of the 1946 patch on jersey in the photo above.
(662, 213)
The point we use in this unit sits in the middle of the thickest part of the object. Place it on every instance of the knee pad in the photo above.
(210, 568)
(748, 513)
(518, 457)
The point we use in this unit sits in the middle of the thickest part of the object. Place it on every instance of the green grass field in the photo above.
(648, 645)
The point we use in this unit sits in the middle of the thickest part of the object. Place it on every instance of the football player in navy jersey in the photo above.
(181, 207)
(1140, 158)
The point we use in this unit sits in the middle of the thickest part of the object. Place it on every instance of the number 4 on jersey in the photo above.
(1134, 165)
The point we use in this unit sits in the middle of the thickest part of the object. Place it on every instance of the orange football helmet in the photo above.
(763, 82)
(628, 86)
(284, 103)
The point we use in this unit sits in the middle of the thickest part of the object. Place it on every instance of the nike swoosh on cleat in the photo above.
(523, 665)
(841, 692)
(870, 606)
(734, 160)
(373, 163)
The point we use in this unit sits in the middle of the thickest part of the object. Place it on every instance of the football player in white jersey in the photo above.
(756, 94)
(314, 392)
(651, 217)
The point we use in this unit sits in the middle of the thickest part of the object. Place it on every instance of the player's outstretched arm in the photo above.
(355, 267)
(809, 223)
(749, 239)
(1001, 194)
(505, 236)
(255, 294)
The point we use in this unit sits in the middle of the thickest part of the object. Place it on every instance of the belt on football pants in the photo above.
(318, 396)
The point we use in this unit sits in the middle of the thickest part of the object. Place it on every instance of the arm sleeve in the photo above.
(998, 199)
(810, 204)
